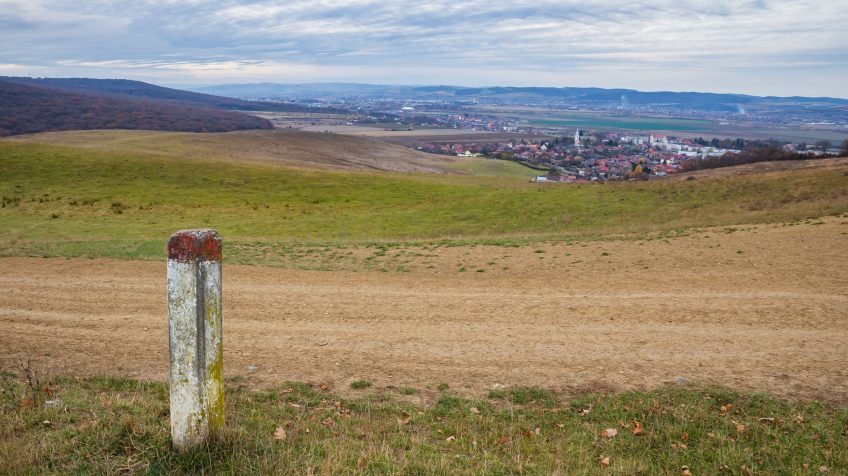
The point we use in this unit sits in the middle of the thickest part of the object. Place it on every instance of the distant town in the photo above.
(593, 156)
(577, 141)
(568, 154)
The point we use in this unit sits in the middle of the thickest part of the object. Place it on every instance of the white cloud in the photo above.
(766, 46)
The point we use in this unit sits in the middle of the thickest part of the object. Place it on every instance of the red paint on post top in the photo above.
(195, 245)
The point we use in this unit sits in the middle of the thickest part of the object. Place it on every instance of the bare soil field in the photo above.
(760, 308)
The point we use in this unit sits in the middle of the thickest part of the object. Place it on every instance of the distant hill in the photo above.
(125, 88)
(542, 95)
(27, 109)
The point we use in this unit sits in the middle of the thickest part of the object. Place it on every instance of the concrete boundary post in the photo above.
(195, 344)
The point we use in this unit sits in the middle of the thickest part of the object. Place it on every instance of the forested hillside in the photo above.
(126, 88)
(28, 109)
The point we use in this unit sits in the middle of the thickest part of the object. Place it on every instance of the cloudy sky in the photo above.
(765, 47)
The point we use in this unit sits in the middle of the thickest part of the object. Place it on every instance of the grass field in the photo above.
(105, 425)
(74, 201)
(489, 167)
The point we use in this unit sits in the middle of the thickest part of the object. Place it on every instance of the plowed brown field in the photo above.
(764, 308)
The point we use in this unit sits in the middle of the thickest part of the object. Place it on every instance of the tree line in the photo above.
(763, 152)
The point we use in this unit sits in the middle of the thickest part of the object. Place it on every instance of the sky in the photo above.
(765, 47)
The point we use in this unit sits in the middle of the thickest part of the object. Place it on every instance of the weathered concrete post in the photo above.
(195, 337)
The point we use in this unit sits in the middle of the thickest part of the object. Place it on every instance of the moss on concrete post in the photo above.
(195, 337)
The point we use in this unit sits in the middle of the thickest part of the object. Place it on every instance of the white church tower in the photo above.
(577, 137)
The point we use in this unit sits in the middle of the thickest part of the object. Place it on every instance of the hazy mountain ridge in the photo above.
(586, 96)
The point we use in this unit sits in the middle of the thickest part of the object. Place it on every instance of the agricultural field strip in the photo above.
(739, 309)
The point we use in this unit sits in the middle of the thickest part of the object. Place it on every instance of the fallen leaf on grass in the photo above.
(450, 438)
(684, 471)
(404, 419)
(328, 422)
(637, 428)
(280, 433)
(740, 428)
(474, 410)
(609, 433)
(604, 461)
(726, 408)
(325, 387)
(685, 436)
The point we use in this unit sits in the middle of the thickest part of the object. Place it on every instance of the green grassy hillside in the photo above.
(74, 201)
(290, 148)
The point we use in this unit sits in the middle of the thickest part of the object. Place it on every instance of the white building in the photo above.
(659, 141)
(637, 140)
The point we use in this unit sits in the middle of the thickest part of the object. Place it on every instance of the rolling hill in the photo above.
(27, 109)
(71, 200)
(281, 147)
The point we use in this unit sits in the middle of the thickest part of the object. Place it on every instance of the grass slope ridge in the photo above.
(27, 109)
(70, 201)
(126, 88)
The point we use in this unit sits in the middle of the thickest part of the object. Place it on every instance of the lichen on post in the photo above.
(195, 337)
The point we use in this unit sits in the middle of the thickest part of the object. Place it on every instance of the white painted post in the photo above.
(195, 337)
